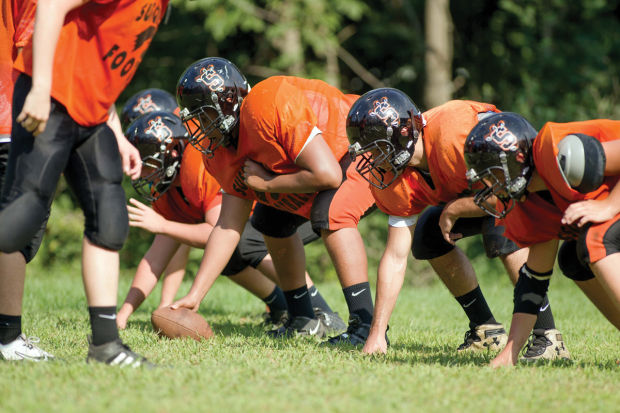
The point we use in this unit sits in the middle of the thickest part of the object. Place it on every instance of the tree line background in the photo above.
(549, 60)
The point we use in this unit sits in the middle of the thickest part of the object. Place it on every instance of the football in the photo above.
(180, 323)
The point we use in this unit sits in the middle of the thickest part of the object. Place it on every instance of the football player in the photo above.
(282, 144)
(186, 203)
(560, 183)
(82, 55)
(415, 165)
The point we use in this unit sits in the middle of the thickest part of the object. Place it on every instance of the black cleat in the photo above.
(300, 326)
(275, 319)
(355, 336)
(115, 353)
(332, 321)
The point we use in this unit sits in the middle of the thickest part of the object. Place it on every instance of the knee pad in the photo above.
(108, 225)
(494, 242)
(530, 290)
(428, 243)
(21, 220)
(570, 264)
(250, 251)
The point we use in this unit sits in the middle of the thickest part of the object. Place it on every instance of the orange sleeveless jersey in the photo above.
(444, 135)
(99, 49)
(277, 118)
(536, 220)
(201, 191)
(16, 28)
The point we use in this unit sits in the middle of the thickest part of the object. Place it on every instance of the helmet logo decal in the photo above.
(502, 136)
(158, 129)
(384, 111)
(145, 104)
(211, 78)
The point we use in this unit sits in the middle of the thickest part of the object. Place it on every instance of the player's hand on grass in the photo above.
(446, 223)
(503, 359)
(189, 301)
(145, 217)
(36, 111)
(375, 344)
(130, 157)
(256, 176)
(580, 213)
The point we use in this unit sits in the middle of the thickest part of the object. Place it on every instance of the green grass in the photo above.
(241, 370)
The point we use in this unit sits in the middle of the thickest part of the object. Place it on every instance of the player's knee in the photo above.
(428, 241)
(570, 264)
(20, 219)
(108, 225)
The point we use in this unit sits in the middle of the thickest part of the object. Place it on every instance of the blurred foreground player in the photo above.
(81, 57)
(561, 183)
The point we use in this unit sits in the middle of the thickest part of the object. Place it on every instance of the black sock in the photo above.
(545, 319)
(276, 300)
(318, 301)
(359, 301)
(476, 308)
(299, 303)
(103, 324)
(10, 328)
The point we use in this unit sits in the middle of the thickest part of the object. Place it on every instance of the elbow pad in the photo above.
(582, 162)
(530, 290)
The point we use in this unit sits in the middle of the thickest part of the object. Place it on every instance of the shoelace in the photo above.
(31, 341)
(535, 340)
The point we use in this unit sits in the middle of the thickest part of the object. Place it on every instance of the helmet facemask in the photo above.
(497, 181)
(159, 171)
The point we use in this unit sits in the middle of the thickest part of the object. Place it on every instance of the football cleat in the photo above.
(275, 319)
(331, 320)
(24, 348)
(355, 336)
(545, 345)
(115, 353)
(485, 337)
(300, 326)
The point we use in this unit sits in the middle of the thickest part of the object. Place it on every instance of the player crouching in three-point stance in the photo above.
(414, 161)
(62, 101)
(558, 184)
(186, 203)
(284, 145)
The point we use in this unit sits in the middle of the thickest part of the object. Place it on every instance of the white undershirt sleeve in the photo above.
(394, 221)
(315, 131)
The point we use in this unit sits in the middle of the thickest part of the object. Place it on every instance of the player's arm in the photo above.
(219, 248)
(390, 278)
(319, 171)
(49, 19)
(149, 271)
(597, 211)
(195, 235)
(130, 156)
(529, 293)
(458, 208)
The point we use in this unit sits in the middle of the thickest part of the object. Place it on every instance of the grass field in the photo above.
(242, 370)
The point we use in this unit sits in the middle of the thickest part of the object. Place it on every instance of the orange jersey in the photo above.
(538, 220)
(444, 135)
(99, 49)
(277, 118)
(15, 30)
(199, 192)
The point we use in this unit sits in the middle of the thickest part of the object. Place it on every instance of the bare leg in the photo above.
(174, 273)
(289, 260)
(346, 249)
(100, 268)
(595, 291)
(513, 262)
(456, 272)
(12, 278)
(267, 268)
(253, 281)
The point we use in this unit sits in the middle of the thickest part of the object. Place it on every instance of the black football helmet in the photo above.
(160, 137)
(498, 153)
(147, 100)
(383, 126)
(209, 94)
